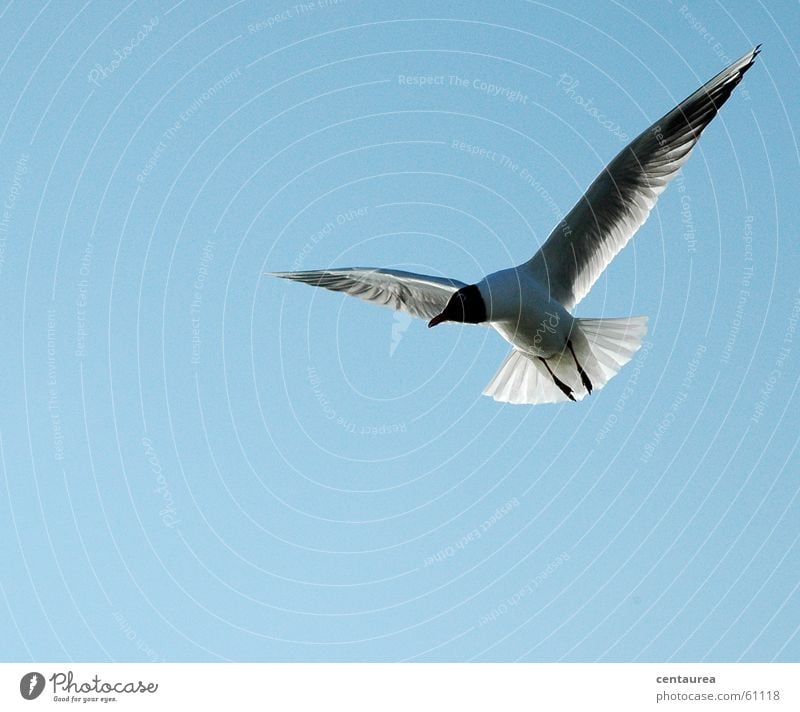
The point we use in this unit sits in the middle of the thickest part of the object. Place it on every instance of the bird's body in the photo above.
(521, 310)
(556, 356)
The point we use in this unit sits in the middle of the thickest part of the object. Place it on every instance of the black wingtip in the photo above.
(744, 67)
(293, 276)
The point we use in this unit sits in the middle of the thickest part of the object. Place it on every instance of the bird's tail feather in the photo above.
(602, 347)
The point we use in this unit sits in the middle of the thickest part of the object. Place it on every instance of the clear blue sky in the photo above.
(202, 463)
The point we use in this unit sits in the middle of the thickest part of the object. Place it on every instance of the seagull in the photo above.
(555, 356)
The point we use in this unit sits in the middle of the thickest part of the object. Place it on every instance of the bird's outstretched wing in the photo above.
(420, 295)
(620, 199)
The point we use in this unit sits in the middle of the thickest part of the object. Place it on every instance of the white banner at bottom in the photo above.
(353, 687)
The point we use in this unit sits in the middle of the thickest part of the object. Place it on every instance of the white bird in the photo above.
(556, 356)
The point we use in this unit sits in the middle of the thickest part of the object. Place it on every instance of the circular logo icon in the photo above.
(31, 685)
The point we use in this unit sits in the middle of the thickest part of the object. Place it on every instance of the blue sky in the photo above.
(202, 463)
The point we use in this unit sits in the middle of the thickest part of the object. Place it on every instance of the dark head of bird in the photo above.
(465, 306)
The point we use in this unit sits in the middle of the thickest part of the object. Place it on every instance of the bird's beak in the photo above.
(438, 319)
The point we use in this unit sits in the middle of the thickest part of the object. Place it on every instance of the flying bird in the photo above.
(556, 356)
